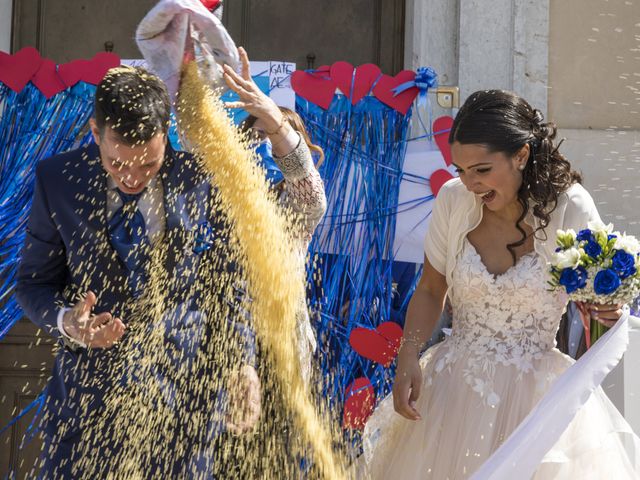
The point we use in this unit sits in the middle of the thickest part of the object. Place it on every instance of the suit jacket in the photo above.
(67, 251)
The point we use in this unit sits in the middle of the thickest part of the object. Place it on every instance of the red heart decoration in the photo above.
(441, 128)
(16, 70)
(392, 332)
(72, 72)
(98, 67)
(380, 345)
(358, 404)
(313, 88)
(342, 76)
(438, 179)
(89, 71)
(401, 102)
(323, 71)
(366, 75)
(47, 79)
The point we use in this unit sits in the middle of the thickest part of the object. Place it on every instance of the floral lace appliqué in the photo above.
(509, 319)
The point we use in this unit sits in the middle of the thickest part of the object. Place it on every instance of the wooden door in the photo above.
(65, 30)
(314, 33)
(26, 360)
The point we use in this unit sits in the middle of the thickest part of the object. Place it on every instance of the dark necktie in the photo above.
(129, 238)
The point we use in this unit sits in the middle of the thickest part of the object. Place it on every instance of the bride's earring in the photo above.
(522, 167)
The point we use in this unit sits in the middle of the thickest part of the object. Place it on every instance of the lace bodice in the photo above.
(508, 319)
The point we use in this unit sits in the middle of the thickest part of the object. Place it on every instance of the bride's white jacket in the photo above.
(458, 211)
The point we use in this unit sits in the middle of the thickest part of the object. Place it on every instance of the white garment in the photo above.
(170, 28)
(483, 381)
(457, 212)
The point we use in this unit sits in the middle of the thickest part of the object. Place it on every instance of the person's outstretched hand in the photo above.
(252, 99)
(95, 331)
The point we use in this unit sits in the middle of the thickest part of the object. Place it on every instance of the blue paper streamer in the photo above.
(352, 267)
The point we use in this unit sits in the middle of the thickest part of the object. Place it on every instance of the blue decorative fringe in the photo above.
(31, 128)
(355, 282)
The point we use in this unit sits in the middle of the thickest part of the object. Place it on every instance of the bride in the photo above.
(492, 233)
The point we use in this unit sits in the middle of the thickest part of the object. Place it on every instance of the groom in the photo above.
(98, 213)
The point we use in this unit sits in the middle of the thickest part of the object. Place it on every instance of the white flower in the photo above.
(599, 226)
(628, 243)
(567, 258)
(566, 238)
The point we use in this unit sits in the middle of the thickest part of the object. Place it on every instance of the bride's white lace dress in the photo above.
(483, 380)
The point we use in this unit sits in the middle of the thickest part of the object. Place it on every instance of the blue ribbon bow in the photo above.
(425, 78)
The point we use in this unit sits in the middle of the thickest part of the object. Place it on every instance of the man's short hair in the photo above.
(133, 103)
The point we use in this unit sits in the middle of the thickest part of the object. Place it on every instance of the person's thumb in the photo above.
(88, 303)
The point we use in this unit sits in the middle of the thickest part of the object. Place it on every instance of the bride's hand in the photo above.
(408, 381)
(606, 314)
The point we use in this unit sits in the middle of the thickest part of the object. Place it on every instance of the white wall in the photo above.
(5, 25)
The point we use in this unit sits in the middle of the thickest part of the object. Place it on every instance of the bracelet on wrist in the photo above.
(275, 132)
(411, 341)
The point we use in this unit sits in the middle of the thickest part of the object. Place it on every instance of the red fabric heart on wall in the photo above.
(90, 71)
(401, 102)
(18, 69)
(47, 79)
(313, 87)
(358, 404)
(438, 179)
(98, 66)
(441, 128)
(380, 345)
(366, 75)
(342, 76)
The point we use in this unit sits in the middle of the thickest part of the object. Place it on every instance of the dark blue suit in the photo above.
(67, 252)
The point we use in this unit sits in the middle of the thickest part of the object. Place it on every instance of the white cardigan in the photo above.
(457, 211)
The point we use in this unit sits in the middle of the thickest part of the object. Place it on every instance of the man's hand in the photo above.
(96, 331)
(245, 396)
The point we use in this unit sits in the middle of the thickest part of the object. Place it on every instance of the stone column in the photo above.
(478, 45)
(5, 25)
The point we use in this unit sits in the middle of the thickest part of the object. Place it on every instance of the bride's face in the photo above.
(493, 176)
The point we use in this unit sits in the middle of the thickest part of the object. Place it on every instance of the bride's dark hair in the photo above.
(503, 122)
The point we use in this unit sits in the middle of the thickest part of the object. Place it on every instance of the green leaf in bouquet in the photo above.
(597, 330)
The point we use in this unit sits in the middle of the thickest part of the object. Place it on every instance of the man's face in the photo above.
(131, 167)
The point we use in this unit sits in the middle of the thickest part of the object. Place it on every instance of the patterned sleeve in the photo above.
(304, 190)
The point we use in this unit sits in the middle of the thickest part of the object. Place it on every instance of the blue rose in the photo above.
(606, 282)
(573, 278)
(593, 249)
(624, 263)
(584, 235)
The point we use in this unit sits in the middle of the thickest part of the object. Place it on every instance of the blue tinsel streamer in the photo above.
(352, 271)
(31, 128)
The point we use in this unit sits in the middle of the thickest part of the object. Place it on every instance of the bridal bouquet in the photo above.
(597, 266)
